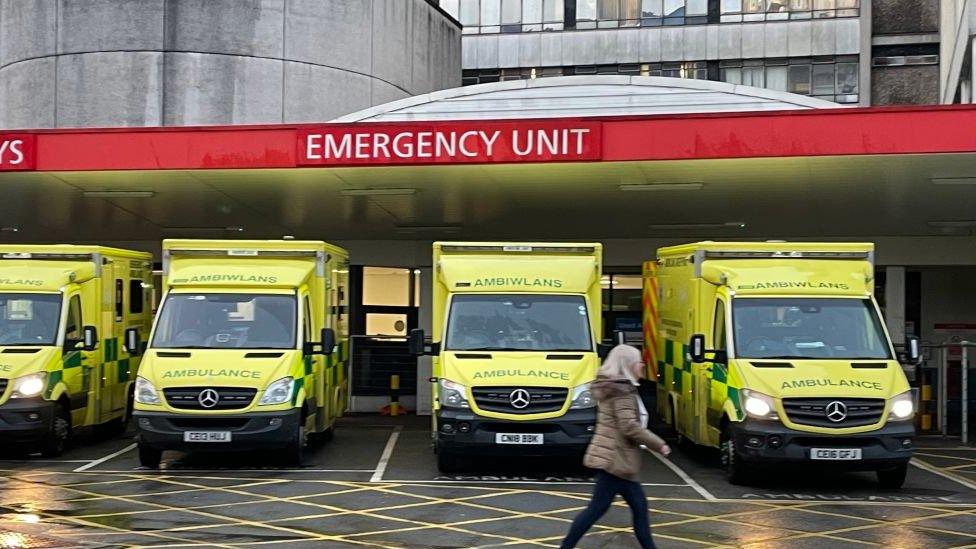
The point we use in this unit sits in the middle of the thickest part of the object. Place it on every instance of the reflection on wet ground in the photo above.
(346, 497)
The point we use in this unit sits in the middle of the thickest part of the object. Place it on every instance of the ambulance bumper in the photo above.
(26, 421)
(248, 432)
(769, 442)
(462, 431)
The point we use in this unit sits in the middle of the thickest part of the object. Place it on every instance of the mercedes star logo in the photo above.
(836, 411)
(519, 398)
(208, 398)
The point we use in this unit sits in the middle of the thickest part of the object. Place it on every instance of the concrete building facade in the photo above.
(65, 63)
(856, 52)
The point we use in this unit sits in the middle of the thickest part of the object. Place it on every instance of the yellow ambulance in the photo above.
(72, 319)
(248, 351)
(516, 328)
(776, 353)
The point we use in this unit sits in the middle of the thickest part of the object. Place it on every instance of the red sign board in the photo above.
(17, 152)
(450, 143)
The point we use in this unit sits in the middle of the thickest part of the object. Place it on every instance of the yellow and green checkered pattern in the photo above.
(123, 370)
(676, 374)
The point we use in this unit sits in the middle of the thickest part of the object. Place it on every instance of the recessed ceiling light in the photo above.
(9, 229)
(692, 226)
(662, 187)
(119, 194)
(377, 192)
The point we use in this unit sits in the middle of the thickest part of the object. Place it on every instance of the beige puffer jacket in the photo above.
(615, 447)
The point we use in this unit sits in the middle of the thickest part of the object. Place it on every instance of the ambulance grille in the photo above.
(231, 398)
(499, 399)
(813, 411)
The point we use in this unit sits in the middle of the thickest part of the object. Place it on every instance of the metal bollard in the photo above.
(394, 409)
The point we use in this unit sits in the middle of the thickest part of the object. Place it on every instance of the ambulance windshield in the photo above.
(518, 323)
(812, 328)
(226, 321)
(29, 319)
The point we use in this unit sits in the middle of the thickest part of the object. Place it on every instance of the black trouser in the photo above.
(606, 488)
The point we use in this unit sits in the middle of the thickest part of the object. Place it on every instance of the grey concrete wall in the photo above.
(651, 45)
(84, 63)
(910, 85)
(905, 16)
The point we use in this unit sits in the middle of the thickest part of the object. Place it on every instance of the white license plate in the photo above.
(836, 454)
(518, 438)
(206, 436)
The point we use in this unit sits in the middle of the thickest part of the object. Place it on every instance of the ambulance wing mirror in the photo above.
(90, 338)
(417, 343)
(913, 350)
(696, 348)
(328, 339)
(133, 344)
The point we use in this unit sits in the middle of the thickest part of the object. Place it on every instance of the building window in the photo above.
(591, 14)
(501, 16)
(830, 78)
(778, 10)
(696, 70)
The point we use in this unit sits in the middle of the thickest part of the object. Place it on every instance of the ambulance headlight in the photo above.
(451, 394)
(582, 398)
(278, 392)
(145, 392)
(758, 405)
(902, 407)
(29, 385)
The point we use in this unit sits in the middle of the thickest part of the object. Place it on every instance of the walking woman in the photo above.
(615, 452)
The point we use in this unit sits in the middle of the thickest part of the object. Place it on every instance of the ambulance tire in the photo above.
(149, 456)
(736, 472)
(294, 453)
(893, 479)
(60, 433)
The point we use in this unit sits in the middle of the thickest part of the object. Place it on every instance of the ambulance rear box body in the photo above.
(248, 350)
(776, 353)
(72, 320)
(515, 334)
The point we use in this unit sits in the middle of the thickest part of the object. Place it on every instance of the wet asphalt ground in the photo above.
(376, 485)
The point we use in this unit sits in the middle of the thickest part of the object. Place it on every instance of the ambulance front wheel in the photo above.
(149, 456)
(294, 452)
(892, 479)
(60, 432)
(736, 471)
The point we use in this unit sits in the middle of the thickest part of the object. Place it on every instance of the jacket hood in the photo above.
(605, 388)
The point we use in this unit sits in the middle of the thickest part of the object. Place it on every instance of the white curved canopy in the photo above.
(576, 96)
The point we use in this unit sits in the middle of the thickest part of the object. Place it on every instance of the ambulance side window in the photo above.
(119, 298)
(73, 324)
(308, 320)
(718, 331)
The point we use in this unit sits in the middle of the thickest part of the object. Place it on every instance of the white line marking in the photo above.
(529, 482)
(387, 453)
(100, 461)
(685, 477)
(29, 460)
(935, 470)
(266, 470)
(968, 448)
